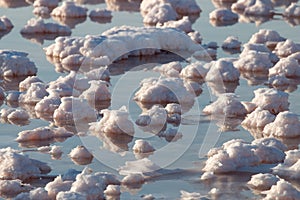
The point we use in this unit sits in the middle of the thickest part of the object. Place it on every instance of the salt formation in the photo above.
(35, 93)
(133, 179)
(15, 165)
(195, 70)
(13, 187)
(288, 67)
(259, 48)
(142, 146)
(196, 37)
(293, 10)
(156, 116)
(286, 48)
(223, 15)
(231, 42)
(290, 167)
(48, 104)
(2, 94)
(112, 190)
(228, 105)
(5, 24)
(189, 195)
(263, 181)
(114, 121)
(222, 70)
(43, 133)
(265, 36)
(254, 7)
(259, 118)
(183, 24)
(171, 69)
(16, 63)
(54, 151)
(138, 167)
(101, 73)
(174, 113)
(100, 13)
(69, 9)
(57, 185)
(72, 110)
(41, 11)
(120, 42)
(70, 195)
(270, 99)
(285, 125)
(25, 84)
(80, 155)
(238, 155)
(46, 3)
(14, 115)
(39, 26)
(37, 193)
(160, 14)
(281, 191)
(163, 90)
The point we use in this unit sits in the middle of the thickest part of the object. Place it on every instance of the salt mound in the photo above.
(163, 90)
(260, 8)
(12, 114)
(97, 92)
(70, 195)
(46, 3)
(13, 187)
(80, 155)
(289, 67)
(5, 24)
(286, 125)
(156, 116)
(262, 181)
(189, 195)
(42, 133)
(160, 13)
(101, 73)
(265, 36)
(291, 166)
(35, 93)
(231, 42)
(112, 190)
(226, 104)
(48, 104)
(133, 179)
(222, 70)
(293, 10)
(223, 15)
(2, 94)
(259, 118)
(72, 110)
(41, 11)
(57, 185)
(100, 13)
(286, 48)
(69, 9)
(237, 155)
(16, 63)
(142, 146)
(195, 70)
(141, 167)
(39, 26)
(171, 69)
(114, 121)
(183, 24)
(25, 84)
(196, 37)
(257, 47)
(37, 193)
(270, 99)
(281, 191)
(14, 165)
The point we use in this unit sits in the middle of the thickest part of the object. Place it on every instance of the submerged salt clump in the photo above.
(289, 67)
(69, 9)
(42, 133)
(16, 63)
(262, 181)
(58, 185)
(14, 165)
(270, 99)
(222, 70)
(286, 48)
(163, 90)
(228, 105)
(39, 26)
(35, 93)
(5, 24)
(171, 69)
(259, 118)
(223, 15)
(25, 84)
(114, 121)
(195, 70)
(285, 125)
(281, 191)
(238, 155)
(293, 10)
(231, 42)
(183, 24)
(291, 166)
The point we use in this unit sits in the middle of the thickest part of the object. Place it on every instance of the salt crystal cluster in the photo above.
(262, 181)
(5, 24)
(80, 155)
(223, 15)
(285, 125)
(25, 84)
(171, 69)
(266, 36)
(282, 190)
(254, 7)
(259, 118)
(39, 26)
(13, 187)
(293, 10)
(16, 63)
(195, 70)
(35, 93)
(231, 42)
(37, 193)
(100, 13)
(69, 9)
(237, 154)
(48, 104)
(14, 114)
(57, 185)
(46, 3)
(156, 116)
(112, 190)
(288, 67)
(228, 105)
(142, 147)
(160, 14)
(286, 48)
(183, 24)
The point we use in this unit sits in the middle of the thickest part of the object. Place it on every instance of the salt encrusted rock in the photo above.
(228, 105)
(5, 24)
(286, 48)
(223, 15)
(163, 90)
(183, 24)
(114, 121)
(289, 67)
(265, 36)
(46, 3)
(285, 125)
(160, 14)
(222, 70)
(156, 116)
(39, 26)
(25, 84)
(37, 193)
(43, 133)
(69, 9)
(291, 166)
(281, 191)
(80, 155)
(259, 118)
(231, 42)
(171, 69)
(271, 99)
(142, 146)
(262, 181)
(195, 70)
(237, 154)
(293, 10)
(58, 185)
(260, 8)
(16, 63)
(14, 165)
(35, 93)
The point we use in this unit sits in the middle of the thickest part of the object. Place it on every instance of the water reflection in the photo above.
(219, 88)
(11, 83)
(39, 38)
(292, 21)
(123, 5)
(3, 33)
(258, 20)
(222, 23)
(223, 4)
(13, 3)
(70, 22)
(101, 20)
(255, 78)
(92, 2)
